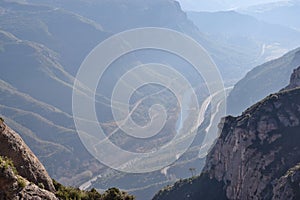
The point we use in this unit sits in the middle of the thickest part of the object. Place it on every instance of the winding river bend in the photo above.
(210, 130)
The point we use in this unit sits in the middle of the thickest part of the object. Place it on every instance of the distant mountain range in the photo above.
(115, 16)
(282, 12)
(218, 5)
(256, 40)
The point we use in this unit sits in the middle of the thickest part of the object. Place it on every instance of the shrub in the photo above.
(70, 193)
(41, 185)
(21, 182)
(6, 163)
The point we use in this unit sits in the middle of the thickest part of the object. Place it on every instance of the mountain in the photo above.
(26, 163)
(49, 132)
(68, 34)
(50, 43)
(257, 40)
(281, 12)
(255, 157)
(234, 24)
(38, 71)
(261, 41)
(19, 166)
(261, 81)
(42, 45)
(294, 80)
(217, 5)
(117, 15)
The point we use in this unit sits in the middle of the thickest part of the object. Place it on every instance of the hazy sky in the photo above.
(214, 5)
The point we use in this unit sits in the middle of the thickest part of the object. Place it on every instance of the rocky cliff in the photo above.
(13, 186)
(22, 176)
(261, 81)
(295, 80)
(256, 156)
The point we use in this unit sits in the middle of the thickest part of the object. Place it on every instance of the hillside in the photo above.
(47, 129)
(255, 157)
(42, 45)
(41, 49)
(115, 16)
(261, 81)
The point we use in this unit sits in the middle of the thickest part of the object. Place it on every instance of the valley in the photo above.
(43, 44)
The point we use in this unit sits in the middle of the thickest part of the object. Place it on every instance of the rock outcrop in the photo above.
(23, 177)
(295, 79)
(13, 186)
(287, 187)
(258, 147)
(256, 156)
(26, 163)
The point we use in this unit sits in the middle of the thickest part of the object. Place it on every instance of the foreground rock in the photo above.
(13, 147)
(13, 186)
(295, 80)
(23, 177)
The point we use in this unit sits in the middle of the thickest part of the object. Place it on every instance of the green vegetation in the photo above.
(21, 182)
(70, 193)
(6, 163)
(41, 185)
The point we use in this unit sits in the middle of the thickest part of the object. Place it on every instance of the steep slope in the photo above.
(42, 47)
(70, 35)
(26, 163)
(294, 80)
(22, 176)
(49, 132)
(261, 81)
(119, 15)
(13, 186)
(37, 86)
(287, 187)
(49, 43)
(35, 70)
(255, 157)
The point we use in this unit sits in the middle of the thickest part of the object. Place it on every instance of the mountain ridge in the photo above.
(259, 82)
(255, 157)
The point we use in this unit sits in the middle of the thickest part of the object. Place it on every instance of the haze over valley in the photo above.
(181, 83)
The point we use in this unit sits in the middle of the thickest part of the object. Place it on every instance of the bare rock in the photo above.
(26, 163)
(255, 155)
(294, 80)
(15, 187)
(288, 186)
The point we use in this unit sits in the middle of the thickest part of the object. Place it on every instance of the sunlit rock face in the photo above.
(256, 156)
(295, 79)
(26, 163)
